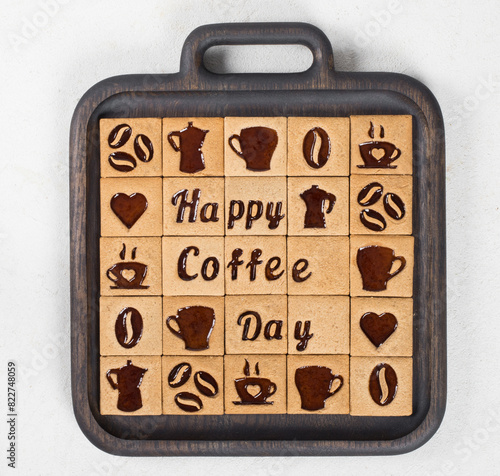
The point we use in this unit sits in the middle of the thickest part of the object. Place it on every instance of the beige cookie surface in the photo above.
(255, 146)
(381, 145)
(318, 384)
(318, 146)
(131, 147)
(396, 403)
(193, 146)
(201, 393)
(255, 384)
(131, 385)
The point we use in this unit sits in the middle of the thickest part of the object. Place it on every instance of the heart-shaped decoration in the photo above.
(378, 153)
(253, 389)
(129, 208)
(378, 328)
(128, 274)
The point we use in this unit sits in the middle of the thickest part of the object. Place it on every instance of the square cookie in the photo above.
(318, 206)
(381, 386)
(381, 204)
(131, 385)
(255, 146)
(318, 384)
(131, 206)
(382, 266)
(255, 384)
(131, 266)
(193, 325)
(255, 265)
(318, 325)
(193, 385)
(193, 146)
(130, 325)
(130, 147)
(193, 206)
(381, 145)
(382, 326)
(318, 265)
(318, 146)
(256, 206)
(193, 266)
(256, 324)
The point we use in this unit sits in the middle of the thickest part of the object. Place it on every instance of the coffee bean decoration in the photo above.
(195, 404)
(397, 209)
(370, 194)
(206, 378)
(122, 132)
(143, 148)
(378, 225)
(122, 161)
(184, 375)
(383, 384)
(309, 144)
(136, 323)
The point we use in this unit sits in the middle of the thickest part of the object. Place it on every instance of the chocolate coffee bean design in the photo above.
(129, 208)
(393, 206)
(378, 327)
(204, 382)
(309, 144)
(194, 402)
(383, 384)
(179, 375)
(123, 161)
(134, 318)
(135, 273)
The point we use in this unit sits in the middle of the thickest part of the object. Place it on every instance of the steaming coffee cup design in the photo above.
(195, 325)
(254, 390)
(390, 154)
(128, 380)
(314, 384)
(191, 141)
(375, 264)
(257, 146)
(135, 280)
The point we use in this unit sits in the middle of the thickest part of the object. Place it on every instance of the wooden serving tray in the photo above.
(318, 92)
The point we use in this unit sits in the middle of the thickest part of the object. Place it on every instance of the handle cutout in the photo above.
(230, 59)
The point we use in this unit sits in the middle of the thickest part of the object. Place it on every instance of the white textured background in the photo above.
(49, 60)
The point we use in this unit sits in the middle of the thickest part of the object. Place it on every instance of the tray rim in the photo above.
(206, 82)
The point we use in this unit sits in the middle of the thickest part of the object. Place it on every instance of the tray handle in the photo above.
(206, 36)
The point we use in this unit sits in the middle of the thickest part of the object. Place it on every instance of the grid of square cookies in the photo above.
(255, 265)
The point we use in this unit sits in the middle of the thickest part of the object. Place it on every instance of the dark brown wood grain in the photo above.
(320, 91)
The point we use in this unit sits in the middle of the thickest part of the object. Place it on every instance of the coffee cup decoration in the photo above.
(123, 161)
(316, 384)
(375, 264)
(256, 147)
(254, 390)
(378, 154)
(194, 326)
(129, 274)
